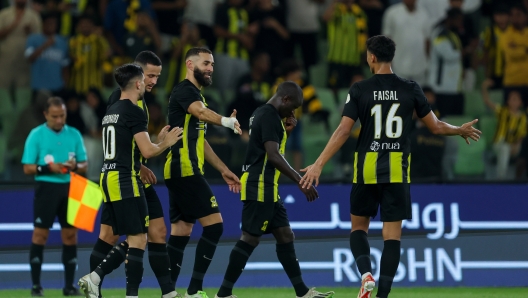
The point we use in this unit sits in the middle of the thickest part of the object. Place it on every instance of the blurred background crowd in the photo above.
(469, 56)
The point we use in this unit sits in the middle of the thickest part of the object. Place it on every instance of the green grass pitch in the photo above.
(288, 293)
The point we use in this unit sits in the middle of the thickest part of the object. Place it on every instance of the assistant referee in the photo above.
(51, 151)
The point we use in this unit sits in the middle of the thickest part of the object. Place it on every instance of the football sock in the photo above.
(35, 261)
(204, 255)
(361, 250)
(390, 259)
(113, 260)
(133, 270)
(160, 264)
(100, 251)
(69, 260)
(175, 249)
(237, 261)
(288, 259)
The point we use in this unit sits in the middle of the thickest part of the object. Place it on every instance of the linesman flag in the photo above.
(84, 201)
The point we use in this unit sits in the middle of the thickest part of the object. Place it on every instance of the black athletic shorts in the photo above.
(394, 200)
(128, 216)
(51, 200)
(260, 218)
(155, 210)
(190, 198)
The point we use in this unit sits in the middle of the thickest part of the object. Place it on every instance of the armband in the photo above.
(43, 170)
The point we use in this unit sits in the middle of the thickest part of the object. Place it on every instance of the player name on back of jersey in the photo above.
(385, 95)
(110, 119)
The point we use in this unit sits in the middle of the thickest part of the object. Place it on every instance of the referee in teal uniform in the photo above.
(52, 150)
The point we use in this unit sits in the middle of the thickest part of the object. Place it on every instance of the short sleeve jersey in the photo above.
(186, 158)
(120, 172)
(384, 104)
(260, 178)
(44, 146)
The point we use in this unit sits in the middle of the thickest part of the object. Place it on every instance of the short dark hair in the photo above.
(519, 7)
(148, 57)
(288, 66)
(427, 89)
(54, 101)
(382, 47)
(454, 13)
(86, 17)
(125, 73)
(197, 51)
(49, 15)
(288, 88)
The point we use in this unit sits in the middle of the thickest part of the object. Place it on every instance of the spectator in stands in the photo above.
(410, 28)
(145, 37)
(431, 99)
(88, 52)
(17, 22)
(347, 35)
(49, 56)
(490, 40)
(291, 70)
(80, 114)
(374, 10)
(233, 44)
(514, 45)
(511, 127)
(202, 13)
(95, 100)
(445, 66)
(268, 21)
(170, 19)
(190, 38)
(302, 19)
(121, 18)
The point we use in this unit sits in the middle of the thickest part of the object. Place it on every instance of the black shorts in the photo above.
(260, 218)
(128, 216)
(155, 210)
(51, 200)
(394, 200)
(190, 198)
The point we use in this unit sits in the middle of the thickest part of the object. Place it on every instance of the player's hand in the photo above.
(232, 180)
(311, 193)
(467, 131)
(173, 136)
(290, 123)
(147, 176)
(313, 173)
(236, 127)
(163, 133)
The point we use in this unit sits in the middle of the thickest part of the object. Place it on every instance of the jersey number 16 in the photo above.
(392, 119)
(109, 142)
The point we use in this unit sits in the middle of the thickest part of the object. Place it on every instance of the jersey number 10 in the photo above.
(109, 142)
(392, 119)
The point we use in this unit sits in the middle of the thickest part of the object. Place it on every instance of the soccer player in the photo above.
(384, 104)
(157, 231)
(263, 210)
(52, 149)
(190, 196)
(125, 140)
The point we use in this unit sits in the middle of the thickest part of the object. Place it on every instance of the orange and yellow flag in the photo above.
(84, 201)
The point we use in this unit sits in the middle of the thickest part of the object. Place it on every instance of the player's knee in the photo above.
(250, 239)
(213, 232)
(285, 236)
(109, 238)
(69, 238)
(39, 238)
(157, 234)
(181, 228)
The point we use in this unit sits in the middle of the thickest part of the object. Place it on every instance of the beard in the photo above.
(201, 79)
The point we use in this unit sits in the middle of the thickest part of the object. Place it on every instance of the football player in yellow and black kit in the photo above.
(384, 104)
(190, 196)
(263, 210)
(125, 140)
(157, 231)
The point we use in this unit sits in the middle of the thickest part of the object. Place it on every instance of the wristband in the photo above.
(43, 170)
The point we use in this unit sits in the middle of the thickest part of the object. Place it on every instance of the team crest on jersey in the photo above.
(264, 226)
(374, 146)
(147, 221)
(214, 204)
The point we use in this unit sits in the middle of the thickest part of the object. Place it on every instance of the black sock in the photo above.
(35, 261)
(160, 264)
(115, 258)
(134, 270)
(69, 260)
(175, 249)
(390, 259)
(237, 261)
(288, 259)
(204, 255)
(100, 251)
(361, 250)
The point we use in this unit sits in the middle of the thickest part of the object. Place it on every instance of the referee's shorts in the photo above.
(51, 200)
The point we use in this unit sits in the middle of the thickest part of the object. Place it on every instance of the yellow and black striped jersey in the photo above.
(384, 104)
(186, 158)
(236, 21)
(120, 172)
(260, 178)
(88, 54)
(511, 127)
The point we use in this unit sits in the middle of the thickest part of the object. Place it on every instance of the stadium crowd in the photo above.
(469, 56)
